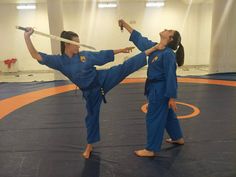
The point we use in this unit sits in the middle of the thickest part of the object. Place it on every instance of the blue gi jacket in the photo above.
(161, 65)
(80, 69)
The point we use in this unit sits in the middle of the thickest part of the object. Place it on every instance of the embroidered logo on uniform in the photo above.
(154, 59)
(82, 58)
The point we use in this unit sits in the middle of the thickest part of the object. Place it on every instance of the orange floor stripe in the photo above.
(196, 111)
(11, 104)
(208, 81)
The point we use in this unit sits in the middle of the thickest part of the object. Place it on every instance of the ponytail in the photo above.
(63, 34)
(176, 44)
(180, 55)
(66, 35)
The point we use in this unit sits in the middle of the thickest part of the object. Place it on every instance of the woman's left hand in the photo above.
(127, 49)
(172, 104)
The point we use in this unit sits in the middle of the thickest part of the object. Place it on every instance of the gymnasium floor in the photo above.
(42, 131)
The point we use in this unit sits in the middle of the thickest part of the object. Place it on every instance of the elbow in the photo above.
(37, 57)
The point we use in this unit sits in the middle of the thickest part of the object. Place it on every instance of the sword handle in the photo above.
(21, 28)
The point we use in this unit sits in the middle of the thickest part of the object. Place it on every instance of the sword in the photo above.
(57, 38)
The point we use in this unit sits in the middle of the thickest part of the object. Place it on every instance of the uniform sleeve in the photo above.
(142, 43)
(52, 61)
(170, 75)
(102, 57)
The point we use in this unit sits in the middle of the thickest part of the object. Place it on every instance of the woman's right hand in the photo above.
(29, 31)
(121, 23)
(172, 104)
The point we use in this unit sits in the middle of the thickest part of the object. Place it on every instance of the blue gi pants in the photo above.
(160, 117)
(108, 79)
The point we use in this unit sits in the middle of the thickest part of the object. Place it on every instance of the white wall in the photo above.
(197, 35)
(12, 40)
(223, 42)
(99, 28)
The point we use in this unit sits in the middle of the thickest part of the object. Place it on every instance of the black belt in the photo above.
(147, 82)
(103, 95)
(95, 84)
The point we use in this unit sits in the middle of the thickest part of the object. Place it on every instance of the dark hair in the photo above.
(66, 35)
(176, 44)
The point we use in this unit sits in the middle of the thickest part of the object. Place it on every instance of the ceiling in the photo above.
(39, 1)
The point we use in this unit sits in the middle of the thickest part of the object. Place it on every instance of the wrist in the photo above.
(125, 25)
(117, 51)
(27, 36)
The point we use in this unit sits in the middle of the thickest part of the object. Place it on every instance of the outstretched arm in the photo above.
(33, 52)
(142, 43)
(51, 61)
(124, 50)
(105, 56)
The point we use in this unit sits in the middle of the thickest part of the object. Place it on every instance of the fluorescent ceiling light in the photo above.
(26, 6)
(155, 4)
(107, 5)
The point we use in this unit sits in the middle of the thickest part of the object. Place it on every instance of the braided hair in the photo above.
(67, 35)
(175, 44)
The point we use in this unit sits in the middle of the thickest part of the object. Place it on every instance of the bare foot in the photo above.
(87, 151)
(179, 141)
(144, 153)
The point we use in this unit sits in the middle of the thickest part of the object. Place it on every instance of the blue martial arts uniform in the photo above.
(80, 69)
(161, 85)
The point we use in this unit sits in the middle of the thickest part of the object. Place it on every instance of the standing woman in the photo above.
(160, 88)
(79, 67)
